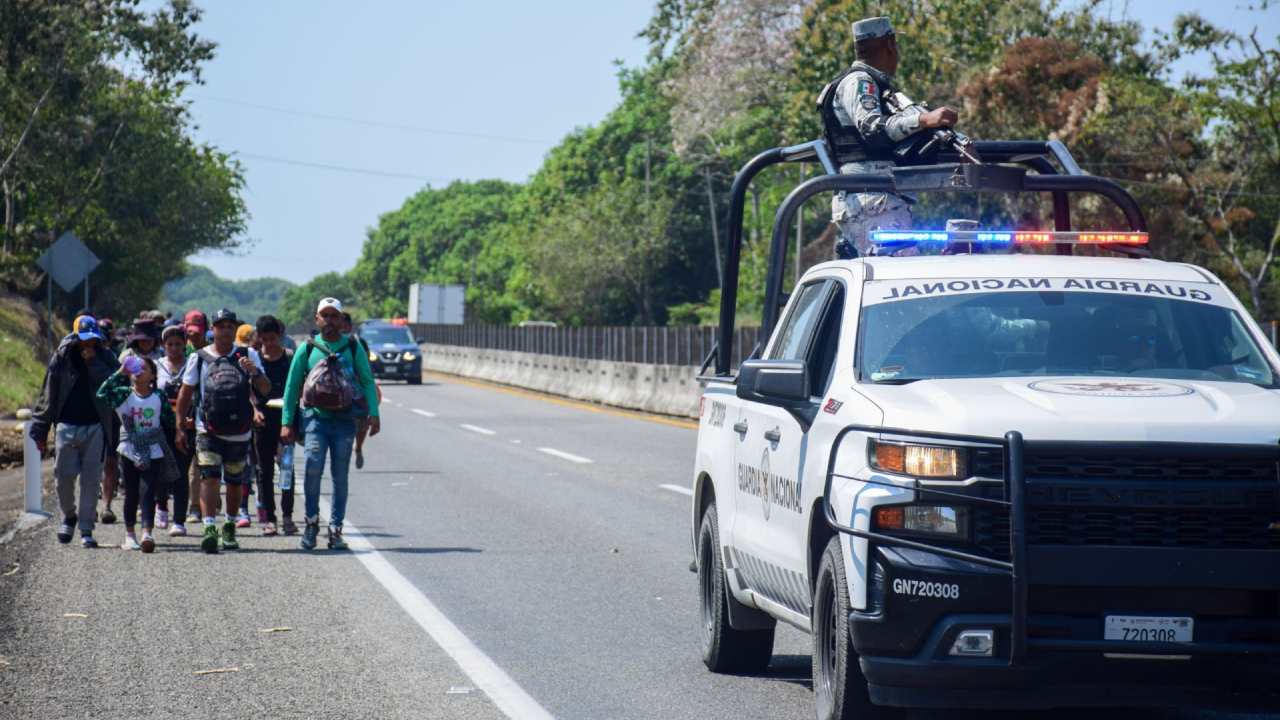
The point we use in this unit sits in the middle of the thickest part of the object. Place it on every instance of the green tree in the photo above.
(94, 138)
(605, 251)
(445, 235)
(298, 308)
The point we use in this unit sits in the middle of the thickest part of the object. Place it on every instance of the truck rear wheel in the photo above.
(724, 649)
(840, 691)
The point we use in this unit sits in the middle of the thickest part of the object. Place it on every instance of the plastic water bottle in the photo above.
(285, 466)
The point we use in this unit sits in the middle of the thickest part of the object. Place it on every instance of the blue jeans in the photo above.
(333, 437)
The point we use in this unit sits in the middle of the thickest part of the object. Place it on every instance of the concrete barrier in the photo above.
(664, 389)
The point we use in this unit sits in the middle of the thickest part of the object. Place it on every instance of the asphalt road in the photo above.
(528, 560)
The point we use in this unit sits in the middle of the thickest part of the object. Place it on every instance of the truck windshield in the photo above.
(384, 335)
(1056, 333)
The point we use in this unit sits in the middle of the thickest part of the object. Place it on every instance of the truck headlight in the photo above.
(924, 461)
(941, 520)
(373, 356)
(409, 357)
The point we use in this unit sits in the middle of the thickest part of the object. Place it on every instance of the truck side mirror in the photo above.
(784, 383)
(420, 339)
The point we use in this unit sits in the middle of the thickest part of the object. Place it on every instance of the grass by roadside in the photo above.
(22, 354)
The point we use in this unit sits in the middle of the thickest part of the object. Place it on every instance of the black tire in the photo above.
(724, 649)
(416, 379)
(839, 690)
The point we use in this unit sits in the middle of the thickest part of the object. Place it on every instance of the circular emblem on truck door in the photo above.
(1111, 388)
(764, 477)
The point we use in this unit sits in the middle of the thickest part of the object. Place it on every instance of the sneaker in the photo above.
(193, 517)
(359, 459)
(87, 541)
(309, 535)
(107, 517)
(162, 519)
(178, 530)
(335, 539)
(229, 536)
(148, 543)
(243, 521)
(288, 527)
(209, 543)
(130, 543)
(66, 529)
(268, 529)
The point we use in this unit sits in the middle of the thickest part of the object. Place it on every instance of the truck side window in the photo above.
(797, 330)
(822, 359)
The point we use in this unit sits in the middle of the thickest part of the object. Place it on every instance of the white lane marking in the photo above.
(566, 456)
(677, 489)
(515, 442)
(510, 698)
(398, 484)
(423, 413)
(478, 429)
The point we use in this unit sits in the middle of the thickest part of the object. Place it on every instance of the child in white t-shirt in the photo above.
(146, 460)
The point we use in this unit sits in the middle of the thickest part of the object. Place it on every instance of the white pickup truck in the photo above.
(999, 480)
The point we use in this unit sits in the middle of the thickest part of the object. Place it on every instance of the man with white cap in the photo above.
(862, 127)
(331, 378)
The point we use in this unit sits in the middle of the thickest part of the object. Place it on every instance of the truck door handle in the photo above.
(773, 435)
(740, 427)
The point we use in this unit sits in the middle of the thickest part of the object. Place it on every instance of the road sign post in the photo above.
(68, 261)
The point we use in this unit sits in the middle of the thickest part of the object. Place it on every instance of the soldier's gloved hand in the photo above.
(938, 118)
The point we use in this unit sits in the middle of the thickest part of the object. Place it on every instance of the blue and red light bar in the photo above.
(1005, 237)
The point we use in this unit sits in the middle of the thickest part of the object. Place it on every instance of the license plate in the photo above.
(1143, 628)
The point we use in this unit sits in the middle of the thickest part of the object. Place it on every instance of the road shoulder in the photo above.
(116, 633)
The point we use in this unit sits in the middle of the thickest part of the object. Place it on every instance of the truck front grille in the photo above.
(1154, 496)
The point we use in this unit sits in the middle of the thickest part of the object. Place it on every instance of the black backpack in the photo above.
(225, 407)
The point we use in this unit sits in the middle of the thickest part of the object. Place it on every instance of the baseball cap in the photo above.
(329, 302)
(87, 328)
(172, 331)
(224, 315)
(196, 320)
(244, 335)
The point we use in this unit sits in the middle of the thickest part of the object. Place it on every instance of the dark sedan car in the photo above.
(392, 351)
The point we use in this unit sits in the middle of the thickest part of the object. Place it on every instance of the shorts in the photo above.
(226, 458)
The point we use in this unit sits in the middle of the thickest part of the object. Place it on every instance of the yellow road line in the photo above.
(557, 400)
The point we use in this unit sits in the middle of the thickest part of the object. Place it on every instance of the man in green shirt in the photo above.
(328, 432)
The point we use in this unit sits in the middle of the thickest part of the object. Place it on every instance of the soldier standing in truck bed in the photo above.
(862, 128)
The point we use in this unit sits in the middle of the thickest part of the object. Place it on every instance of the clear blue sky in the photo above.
(527, 71)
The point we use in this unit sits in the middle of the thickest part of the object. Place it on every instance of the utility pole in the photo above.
(648, 151)
(715, 232)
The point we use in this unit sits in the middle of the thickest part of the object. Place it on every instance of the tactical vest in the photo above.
(844, 141)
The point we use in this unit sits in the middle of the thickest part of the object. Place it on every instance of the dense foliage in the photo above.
(95, 139)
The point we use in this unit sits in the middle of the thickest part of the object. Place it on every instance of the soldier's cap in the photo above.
(872, 28)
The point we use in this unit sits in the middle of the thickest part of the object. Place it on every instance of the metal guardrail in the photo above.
(655, 345)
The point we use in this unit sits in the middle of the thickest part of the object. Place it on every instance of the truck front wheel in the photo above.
(840, 691)
(724, 649)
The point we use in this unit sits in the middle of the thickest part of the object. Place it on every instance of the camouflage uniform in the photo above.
(858, 104)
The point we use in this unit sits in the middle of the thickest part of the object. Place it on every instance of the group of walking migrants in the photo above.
(188, 406)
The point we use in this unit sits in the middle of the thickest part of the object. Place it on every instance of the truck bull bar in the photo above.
(1017, 568)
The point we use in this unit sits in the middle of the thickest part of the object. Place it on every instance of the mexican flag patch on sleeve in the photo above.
(867, 87)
